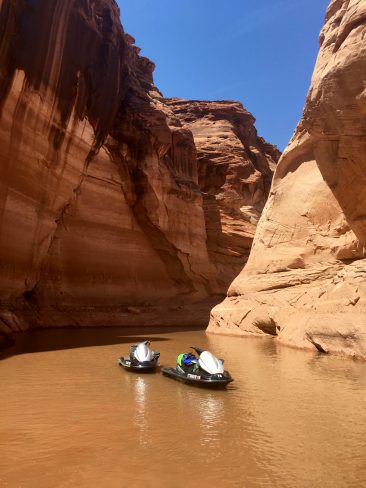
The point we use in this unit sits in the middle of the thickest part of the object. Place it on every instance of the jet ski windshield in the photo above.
(142, 352)
(209, 363)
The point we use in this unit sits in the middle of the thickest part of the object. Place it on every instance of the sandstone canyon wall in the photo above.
(305, 278)
(235, 169)
(117, 206)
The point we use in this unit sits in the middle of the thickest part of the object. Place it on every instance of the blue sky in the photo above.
(261, 52)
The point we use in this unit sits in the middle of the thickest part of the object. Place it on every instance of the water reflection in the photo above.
(140, 392)
(211, 410)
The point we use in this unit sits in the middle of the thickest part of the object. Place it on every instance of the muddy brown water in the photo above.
(71, 417)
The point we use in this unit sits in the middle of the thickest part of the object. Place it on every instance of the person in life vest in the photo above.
(188, 362)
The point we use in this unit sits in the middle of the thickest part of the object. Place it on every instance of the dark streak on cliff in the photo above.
(108, 197)
(82, 70)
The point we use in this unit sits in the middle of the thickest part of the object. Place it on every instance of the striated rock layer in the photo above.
(235, 169)
(305, 278)
(104, 205)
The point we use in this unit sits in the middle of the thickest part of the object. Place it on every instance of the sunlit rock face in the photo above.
(103, 213)
(305, 278)
(235, 169)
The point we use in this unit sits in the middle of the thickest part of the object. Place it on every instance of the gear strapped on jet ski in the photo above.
(205, 369)
(187, 362)
(141, 358)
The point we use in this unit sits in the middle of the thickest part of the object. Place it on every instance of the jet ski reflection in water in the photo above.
(204, 370)
(141, 358)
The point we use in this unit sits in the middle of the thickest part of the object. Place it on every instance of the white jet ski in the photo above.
(141, 358)
(207, 371)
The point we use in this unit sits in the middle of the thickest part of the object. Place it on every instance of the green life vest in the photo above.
(179, 359)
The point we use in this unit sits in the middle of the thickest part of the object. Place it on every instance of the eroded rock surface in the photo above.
(305, 278)
(235, 169)
(103, 206)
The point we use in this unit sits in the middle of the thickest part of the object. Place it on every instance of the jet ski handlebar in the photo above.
(197, 349)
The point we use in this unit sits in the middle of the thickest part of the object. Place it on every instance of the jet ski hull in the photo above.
(215, 381)
(144, 367)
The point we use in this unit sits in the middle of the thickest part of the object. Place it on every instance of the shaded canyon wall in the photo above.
(305, 279)
(113, 211)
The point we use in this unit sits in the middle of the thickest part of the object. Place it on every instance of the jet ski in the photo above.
(208, 371)
(141, 358)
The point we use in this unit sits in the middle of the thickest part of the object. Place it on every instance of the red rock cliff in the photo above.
(103, 203)
(235, 169)
(305, 278)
